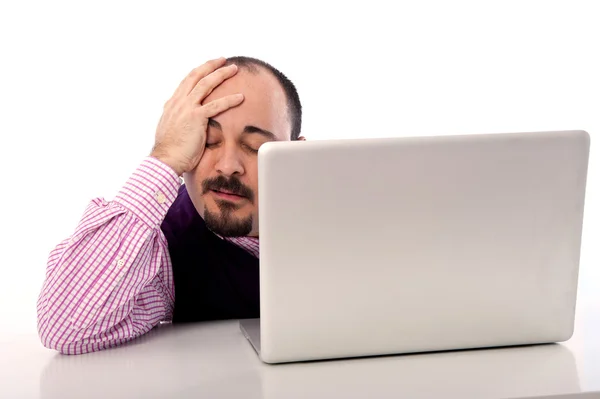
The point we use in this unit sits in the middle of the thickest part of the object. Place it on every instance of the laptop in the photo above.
(417, 244)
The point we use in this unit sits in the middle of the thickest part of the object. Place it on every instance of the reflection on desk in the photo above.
(214, 360)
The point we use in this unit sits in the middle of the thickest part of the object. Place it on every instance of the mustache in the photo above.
(233, 185)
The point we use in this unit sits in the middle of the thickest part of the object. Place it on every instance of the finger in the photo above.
(190, 81)
(215, 107)
(205, 86)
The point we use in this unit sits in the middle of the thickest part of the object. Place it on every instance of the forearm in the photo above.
(111, 281)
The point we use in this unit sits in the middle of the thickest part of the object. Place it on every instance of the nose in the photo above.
(229, 161)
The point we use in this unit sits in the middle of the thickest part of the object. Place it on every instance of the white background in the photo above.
(82, 86)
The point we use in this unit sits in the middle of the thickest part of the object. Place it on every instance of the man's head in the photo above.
(224, 186)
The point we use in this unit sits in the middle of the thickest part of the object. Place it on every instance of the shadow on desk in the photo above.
(214, 360)
(489, 373)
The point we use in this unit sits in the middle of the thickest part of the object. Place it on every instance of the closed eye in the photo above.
(249, 148)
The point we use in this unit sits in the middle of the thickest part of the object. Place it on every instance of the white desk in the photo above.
(214, 360)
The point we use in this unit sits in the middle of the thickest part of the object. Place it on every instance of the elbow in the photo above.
(55, 336)
(64, 337)
(62, 346)
(54, 329)
(58, 334)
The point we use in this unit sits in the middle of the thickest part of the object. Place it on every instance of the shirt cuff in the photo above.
(150, 191)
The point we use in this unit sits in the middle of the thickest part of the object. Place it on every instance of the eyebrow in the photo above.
(249, 129)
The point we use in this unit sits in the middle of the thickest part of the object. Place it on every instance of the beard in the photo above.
(224, 223)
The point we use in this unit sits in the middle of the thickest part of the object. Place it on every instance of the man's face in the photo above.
(224, 186)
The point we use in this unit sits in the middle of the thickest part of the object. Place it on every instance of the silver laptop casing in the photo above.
(415, 244)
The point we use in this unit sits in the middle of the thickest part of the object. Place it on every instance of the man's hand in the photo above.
(181, 132)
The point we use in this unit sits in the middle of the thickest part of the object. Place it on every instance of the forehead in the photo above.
(264, 105)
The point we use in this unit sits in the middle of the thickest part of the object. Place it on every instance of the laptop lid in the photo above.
(397, 245)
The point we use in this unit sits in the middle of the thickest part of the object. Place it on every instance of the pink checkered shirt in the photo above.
(112, 280)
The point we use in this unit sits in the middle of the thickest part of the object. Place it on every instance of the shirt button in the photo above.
(120, 262)
(160, 197)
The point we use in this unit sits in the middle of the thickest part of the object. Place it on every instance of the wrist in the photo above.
(170, 163)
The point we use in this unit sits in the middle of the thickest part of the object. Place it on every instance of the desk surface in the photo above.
(214, 360)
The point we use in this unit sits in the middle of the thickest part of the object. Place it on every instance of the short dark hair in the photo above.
(293, 99)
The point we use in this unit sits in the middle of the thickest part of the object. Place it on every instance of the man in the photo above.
(163, 251)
